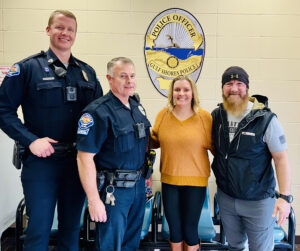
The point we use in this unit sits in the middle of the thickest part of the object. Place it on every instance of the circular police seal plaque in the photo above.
(174, 45)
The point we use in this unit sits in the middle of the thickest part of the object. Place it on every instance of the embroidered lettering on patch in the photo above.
(248, 133)
(85, 122)
(282, 139)
(13, 71)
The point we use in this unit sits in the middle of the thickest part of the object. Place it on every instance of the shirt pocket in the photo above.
(124, 139)
(50, 94)
(86, 91)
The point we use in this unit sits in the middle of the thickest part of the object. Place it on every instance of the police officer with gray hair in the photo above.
(52, 88)
(112, 141)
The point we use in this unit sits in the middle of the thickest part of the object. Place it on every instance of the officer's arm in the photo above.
(88, 175)
(283, 174)
(12, 92)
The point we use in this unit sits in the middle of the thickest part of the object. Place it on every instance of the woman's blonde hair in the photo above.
(195, 99)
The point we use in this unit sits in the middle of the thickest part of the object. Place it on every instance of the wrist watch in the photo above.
(287, 198)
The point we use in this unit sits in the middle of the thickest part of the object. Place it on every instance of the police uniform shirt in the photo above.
(33, 84)
(107, 129)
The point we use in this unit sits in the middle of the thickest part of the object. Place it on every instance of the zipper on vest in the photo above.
(237, 147)
(220, 134)
(238, 144)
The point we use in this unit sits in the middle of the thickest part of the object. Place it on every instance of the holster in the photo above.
(18, 155)
(147, 168)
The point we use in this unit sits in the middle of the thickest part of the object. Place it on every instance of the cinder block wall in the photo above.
(261, 36)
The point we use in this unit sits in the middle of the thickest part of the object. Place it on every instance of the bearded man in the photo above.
(246, 137)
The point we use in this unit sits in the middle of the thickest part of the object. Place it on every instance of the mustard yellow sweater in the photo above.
(184, 144)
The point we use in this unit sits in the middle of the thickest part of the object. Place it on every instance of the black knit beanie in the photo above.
(235, 73)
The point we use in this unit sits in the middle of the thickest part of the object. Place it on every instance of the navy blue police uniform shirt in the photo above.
(33, 84)
(106, 128)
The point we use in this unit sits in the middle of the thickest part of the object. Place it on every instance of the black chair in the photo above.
(21, 223)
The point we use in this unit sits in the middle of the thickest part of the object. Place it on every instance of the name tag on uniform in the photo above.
(48, 78)
(248, 134)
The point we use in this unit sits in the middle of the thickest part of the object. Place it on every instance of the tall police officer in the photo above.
(52, 87)
(112, 140)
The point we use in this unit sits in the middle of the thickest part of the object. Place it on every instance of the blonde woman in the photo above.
(183, 132)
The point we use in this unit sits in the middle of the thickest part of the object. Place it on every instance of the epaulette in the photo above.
(103, 99)
(99, 101)
(82, 63)
(42, 53)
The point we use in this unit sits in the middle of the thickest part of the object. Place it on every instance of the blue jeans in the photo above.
(122, 230)
(247, 220)
(45, 183)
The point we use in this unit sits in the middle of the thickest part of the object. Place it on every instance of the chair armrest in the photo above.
(19, 224)
(291, 228)
(216, 216)
(156, 216)
(86, 224)
(291, 224)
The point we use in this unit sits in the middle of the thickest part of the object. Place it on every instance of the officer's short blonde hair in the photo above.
(195, 99)
(63, 12)
(112, 63)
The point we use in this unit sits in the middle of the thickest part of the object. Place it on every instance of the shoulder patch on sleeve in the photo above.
(13, 71)
(282, 139)
(85, 122)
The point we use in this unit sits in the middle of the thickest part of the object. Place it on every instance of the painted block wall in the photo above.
(261, 36)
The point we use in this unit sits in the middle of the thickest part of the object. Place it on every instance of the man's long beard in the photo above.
(238, 107)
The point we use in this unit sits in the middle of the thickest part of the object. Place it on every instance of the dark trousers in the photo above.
(122, 231)
(182, 207)
(47, 182)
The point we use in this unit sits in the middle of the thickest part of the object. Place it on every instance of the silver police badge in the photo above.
(174, 45)
(142, 110)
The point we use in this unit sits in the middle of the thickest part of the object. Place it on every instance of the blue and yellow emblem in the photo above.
(174, 45)
(85, 122)
(13, 71)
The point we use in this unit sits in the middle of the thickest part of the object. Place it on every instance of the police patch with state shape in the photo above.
(13, 71)
(85, 123)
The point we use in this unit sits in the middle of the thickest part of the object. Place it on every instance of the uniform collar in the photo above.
(133, 102)
(116, 102)
(52, 58)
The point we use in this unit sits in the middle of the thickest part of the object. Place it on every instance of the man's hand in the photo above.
(149, 181)
(282, 208)
(97, 211)
(42, 147)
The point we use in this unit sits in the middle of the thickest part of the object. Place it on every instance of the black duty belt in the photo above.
(118, 178)
(63, 149)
